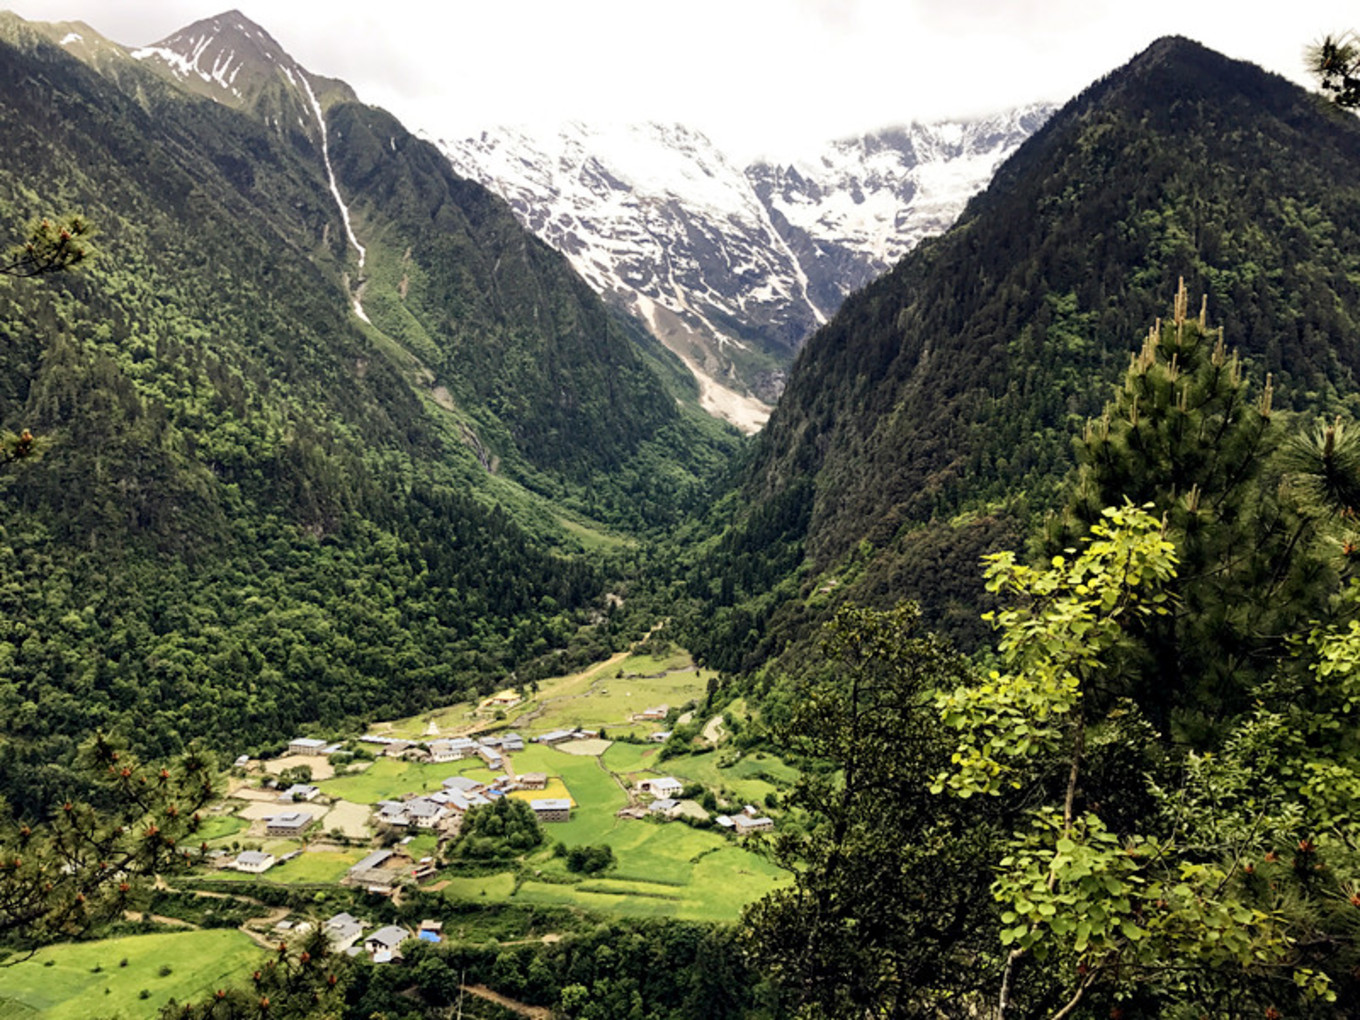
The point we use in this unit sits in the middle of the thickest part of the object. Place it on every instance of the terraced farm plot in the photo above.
(349, 818)
(480, 887)
(624, 758)
(748, 781)
(610, 701)
(72, 989)
(316, 866)
(319, 764)
(670, 871)
(555, 789)
(584, 748)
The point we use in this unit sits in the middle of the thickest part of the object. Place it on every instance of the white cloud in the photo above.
(755, 74)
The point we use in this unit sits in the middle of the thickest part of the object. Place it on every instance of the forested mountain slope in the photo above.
(252, 506)
(953, 385)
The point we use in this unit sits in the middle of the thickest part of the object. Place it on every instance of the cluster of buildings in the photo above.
(491, 749)
(562, 736)
(749, 820)
(345, 933)
(444, 809)
(665, 792)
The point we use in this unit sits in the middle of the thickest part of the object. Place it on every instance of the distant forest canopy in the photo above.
(932, 418)
(246, 511)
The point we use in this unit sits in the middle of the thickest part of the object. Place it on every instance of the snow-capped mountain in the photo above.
(733, 266)
(234, 61)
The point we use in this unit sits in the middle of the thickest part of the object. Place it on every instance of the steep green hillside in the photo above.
(943, 397)
(250, 509)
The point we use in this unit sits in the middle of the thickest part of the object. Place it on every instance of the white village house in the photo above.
(256, 862)
(663, 786)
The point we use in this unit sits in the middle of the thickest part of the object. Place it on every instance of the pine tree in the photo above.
(1246, 505)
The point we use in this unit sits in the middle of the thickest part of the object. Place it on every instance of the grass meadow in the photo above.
(79, 980)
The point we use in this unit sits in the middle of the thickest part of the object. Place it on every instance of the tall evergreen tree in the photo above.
(1244, 503)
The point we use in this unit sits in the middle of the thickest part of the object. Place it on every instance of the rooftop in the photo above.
(550, 804)
(373, 860)
(390, 936)
(291, 818)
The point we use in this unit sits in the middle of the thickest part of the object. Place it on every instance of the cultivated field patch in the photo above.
(91, 979)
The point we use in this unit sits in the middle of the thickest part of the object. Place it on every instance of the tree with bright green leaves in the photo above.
(1251, 506)
(79, 861)
(1126, 876)
(1234, 891)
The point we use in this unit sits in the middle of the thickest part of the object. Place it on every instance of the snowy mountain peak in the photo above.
(230, 59)
(732, 267)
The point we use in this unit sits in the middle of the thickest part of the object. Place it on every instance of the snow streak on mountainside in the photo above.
(234, 61)
(733, 267)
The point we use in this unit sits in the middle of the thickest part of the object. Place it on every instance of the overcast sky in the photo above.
(759, 76)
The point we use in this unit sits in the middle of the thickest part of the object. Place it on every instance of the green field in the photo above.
(389, 778)
(491, 887)
(663, 870)
(668, 870)
(221, 827)
(626, 758)
(72, 989)
(649, 665)
(609, 701)
(745, 782)
(593, 789)
(316, 866)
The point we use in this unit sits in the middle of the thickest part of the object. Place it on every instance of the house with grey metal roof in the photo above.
(552, 809)
(343, 930)
(256, 862)
(463, 785)
(745, 824)
(555, 736)
(385, 940)
(290, 823)
(425, 813)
